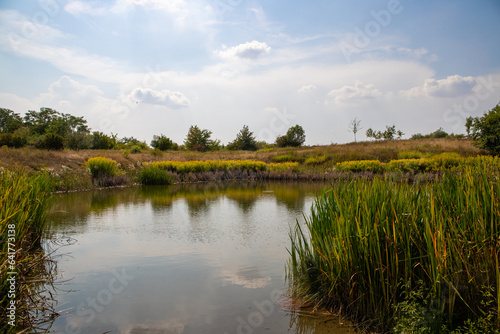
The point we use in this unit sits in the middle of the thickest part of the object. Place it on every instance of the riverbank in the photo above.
(69, 172)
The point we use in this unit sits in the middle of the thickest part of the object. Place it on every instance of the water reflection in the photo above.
(201, 258)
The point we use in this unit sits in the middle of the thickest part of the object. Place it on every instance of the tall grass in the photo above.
(24, 201)
(166, 172)
(369, 246)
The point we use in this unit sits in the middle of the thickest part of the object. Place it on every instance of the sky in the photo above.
(149, 67)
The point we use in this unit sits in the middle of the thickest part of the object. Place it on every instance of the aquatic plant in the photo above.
(24, 202)
(364, 239)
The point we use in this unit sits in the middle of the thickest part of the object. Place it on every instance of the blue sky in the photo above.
(145, 67)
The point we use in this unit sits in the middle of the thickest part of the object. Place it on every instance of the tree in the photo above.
(244, 141)
(163, 143)
(486, 130)
(9, 121)
(101, 141)
(295, 136)
(354, 127)
(388, 134)
(468, 125)
(48, 120)
(199, 140)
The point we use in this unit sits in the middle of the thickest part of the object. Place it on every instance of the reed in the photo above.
(24, 202)
(369, 246)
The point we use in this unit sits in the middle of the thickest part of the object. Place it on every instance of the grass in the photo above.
(369, 246)
(24, 201)
(167, 172)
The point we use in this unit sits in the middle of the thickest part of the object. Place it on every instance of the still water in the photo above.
(199, 258)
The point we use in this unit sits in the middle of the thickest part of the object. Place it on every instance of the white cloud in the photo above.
(354, 93)
(79, 7)
(19, 35)
(71, 93)
(249, 50)
(452, 86)
(306, 89)
(174, 100)
(415, 53)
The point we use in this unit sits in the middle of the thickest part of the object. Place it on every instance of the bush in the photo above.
(101, 141)
(360, 166)
(11, 140)
(78, 141)
(281, 167)
(410, 155)
(319, 160)
(102, 167)
(51, 141)
(135, 149)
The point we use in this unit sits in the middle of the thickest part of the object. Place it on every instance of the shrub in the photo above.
(361, 165)
(78, 141)
(316, 160)
(101, 141)
(51, 141)
(135, 149)
(410, 155)
(281, 167)
(102, 167)
(11, 140)
(156, 153)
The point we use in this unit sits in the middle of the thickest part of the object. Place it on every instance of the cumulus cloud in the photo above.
(452, 86)
(354, 93)
(306, 88)
(174, 100)
(249, 50)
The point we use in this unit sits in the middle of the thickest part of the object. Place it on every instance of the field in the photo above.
(70, 166)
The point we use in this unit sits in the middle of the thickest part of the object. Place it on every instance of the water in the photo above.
(202, 258)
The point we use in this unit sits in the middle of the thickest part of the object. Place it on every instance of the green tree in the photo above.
(295, 136)
(199, 140)
(468, 125)
(244, 141)
(101, 141)
(486, 130)
(163, 143)
(9, 121)
(48, 120)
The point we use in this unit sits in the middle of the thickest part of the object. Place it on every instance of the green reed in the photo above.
(24, 202)
(368, 245)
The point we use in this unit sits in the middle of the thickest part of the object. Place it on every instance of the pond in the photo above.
(194, 258)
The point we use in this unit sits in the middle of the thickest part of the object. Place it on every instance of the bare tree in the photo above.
(354, 127)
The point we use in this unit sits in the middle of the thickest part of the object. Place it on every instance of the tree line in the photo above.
(52, 130)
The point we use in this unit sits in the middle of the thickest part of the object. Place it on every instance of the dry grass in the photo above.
(35, 160)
